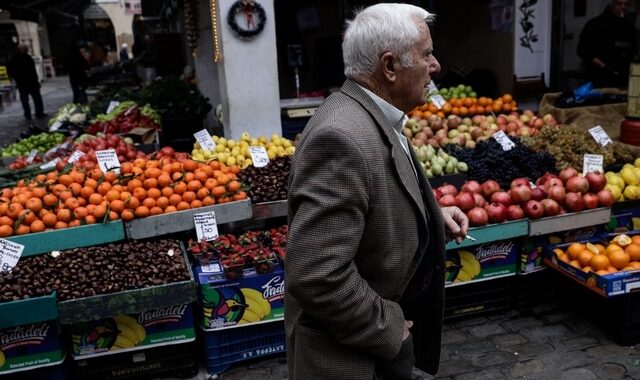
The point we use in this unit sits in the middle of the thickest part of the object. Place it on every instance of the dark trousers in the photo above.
(79, 94)
(34, 92)
(401, 367)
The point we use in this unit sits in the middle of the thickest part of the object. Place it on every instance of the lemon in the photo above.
(215, 139)
(231, 143)
(593, 249)
(222, 157)
(231, 161)
(245, 136)
(263, 139)
(219, 148)
(222, 141)
(622, 240)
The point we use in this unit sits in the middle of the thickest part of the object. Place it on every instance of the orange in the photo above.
(6, 231)
(49, 219)
(619, 259)
(86, 191)
(162, 202)
(64, 215)
(149, 202)
(127, 215)
(116, 205)
(633, 250)
(34, 204)
(599, 262)
(587, 269)
(5, 221)
(189, 196)
(150, 183)
(112, 195)
(183, 206)
(37, 226)
(95, 199)
(188, 177)
(133, 184)
(140, 193)
(196, 203)
(92, 183)
(110, 176)
(164, 180)
(22, 230)
(210, 183)
(574, 250)
(190, 165)
(60, 225)
(28, 217)
(99, 212)
(180, 188)
(142, 212)
(202, 193)
(50, 200)
(194, 185)
(65, 179)
(90, 219)
(584, 257)
(167, 191)
(104, 188)
(240, 195)
(80, 212)
(154, 193)
(233, 186)
(208, 201)
(155, 210)
(170, 209)
(218, 191)
(174, 199)
(634, 265)
(71, 203)
(575, 264)
(14, 210)
(635, 239)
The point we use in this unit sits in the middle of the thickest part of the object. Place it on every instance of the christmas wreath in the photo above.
(255, 15)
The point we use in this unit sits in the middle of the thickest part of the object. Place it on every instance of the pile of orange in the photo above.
(466, 107)
(618, 255)
(144, 187)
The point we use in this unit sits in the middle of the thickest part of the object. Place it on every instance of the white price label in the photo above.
(504, 140)
(108, 160)
(205, 140)
(259, 156)
(32, 156)
(76, 156)
(55, 126)
(112, 105)
(532, 185)
(206, 226)
(211, 268)
(438, 101)
(10, 253)
(50, 164)
(592, 163)
(600, 136)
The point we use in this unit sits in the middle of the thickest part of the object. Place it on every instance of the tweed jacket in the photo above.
(357, 235)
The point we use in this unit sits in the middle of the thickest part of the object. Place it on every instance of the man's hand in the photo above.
(456, 223)
(405, 331)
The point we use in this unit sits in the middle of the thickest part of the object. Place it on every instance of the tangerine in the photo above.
(599, 262)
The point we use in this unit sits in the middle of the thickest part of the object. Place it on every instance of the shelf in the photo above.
(268, 210)
(183, 220)
(66, 238)
(30, 310)
(570, 221)
(103, 306)
(493, 232)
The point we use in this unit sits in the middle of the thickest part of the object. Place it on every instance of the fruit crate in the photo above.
(479, 298)
(29, 310)
(482, 262)
(268, 210)
(493, 232)
(618, 316)
(55, 372)
(569, 221)
(178, 360)
(74, 237)
(179, 221)
(31, 350)
(223, 348)
(130, 301)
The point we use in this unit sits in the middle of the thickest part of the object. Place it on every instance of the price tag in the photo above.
(50, 164)
(532, 185)
(112, 105)
(55, 126)
(210, 268)
(75, 156)
(205, 140)
(600, 136)
(438, 101)
(592, 163)
(108, 160)
(206, 226)
(32, 156)
(10, 253)
(259, 156)
(504, 140)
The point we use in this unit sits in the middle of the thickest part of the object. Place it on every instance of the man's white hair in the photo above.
(380, 28)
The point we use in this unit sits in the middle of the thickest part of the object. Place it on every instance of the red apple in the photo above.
(501, 197)
(574, 202)
(515, 212)
(551, 207)
(577, 184)
(465, 201)
(605, 198)
(489, 187)
(472, 187)
(567, 173)
(597, 181)
(520, 193)
(497, 212)
(478, 216)
(590, 200)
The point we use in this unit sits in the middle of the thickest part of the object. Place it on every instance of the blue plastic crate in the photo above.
(229, 346)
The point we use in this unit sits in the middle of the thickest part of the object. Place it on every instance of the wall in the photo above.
(122, 23)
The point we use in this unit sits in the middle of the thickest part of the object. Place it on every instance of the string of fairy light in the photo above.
(217, 55)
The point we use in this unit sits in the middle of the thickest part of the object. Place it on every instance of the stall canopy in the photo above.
(31, 10)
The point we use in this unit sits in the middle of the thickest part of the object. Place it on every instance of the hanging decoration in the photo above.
(191, 21)
(217, 55)
(252, 16)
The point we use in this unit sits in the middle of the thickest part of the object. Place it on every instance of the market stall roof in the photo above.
(31, 10)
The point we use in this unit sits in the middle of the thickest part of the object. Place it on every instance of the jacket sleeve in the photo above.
(328, 198)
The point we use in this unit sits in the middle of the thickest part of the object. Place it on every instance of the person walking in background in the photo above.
(365, 256)
(124, 52)
(607, 46)
(22, 69)
(77, 66)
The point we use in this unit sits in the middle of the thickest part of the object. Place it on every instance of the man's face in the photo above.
(412, 81)
(620, 7)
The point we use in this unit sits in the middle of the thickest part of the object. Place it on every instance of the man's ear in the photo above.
(389, 64)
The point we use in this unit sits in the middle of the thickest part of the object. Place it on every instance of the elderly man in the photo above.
(365, 257)
(22, 69)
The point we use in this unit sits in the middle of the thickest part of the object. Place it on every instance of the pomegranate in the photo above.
(520, 182)
(577, 184)
(544, 178)
(501, 197)
(515, 212)
(538, 194)
(497, 212)
(520, 193)
(489, 187)
(605, 198)
(480, 201)
(465, 201)
(551, 182)
(597, 181)
(472, 187)
(478, 216)
(567, 173)
(590, 200)
(551, 207)
(557, 193)
(447, 200)
(574, 202)
(448, 189)
(533, 209)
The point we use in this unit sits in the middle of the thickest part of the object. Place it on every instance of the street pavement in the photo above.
(540, 333)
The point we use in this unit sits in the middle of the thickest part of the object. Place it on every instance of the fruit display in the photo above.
(551, 195)
(436, 162)
(625, 184)
(464, 265)
(569, 143)
(88, 144)
(125, 117)
(459, 91)
(466, 106)
(489, 161)
(84, 272)
(23, 161)
(268, 183)
(236, 152)
(40, 142)
(70, 113)
(622, 253)
(258, 249)
(468, 131)
(144, 187)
